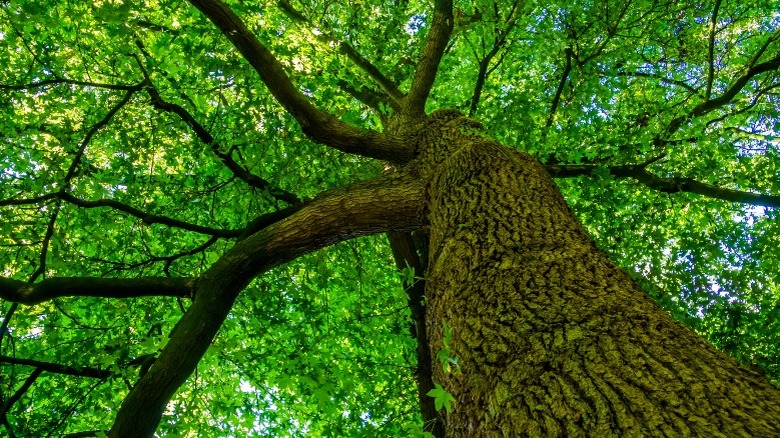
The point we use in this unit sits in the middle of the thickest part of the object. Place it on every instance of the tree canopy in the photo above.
(142, 140)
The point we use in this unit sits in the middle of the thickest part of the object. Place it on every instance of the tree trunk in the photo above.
(551, 337)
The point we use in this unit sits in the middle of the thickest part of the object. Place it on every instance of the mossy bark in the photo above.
(552, 338)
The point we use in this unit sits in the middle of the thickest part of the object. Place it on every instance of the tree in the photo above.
(185, 153)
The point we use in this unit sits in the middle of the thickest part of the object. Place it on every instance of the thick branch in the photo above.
(319, 126)
(430, 58)
(668, 185)
(267, 219)
(56, 368)
(56, 287)
(390, 203)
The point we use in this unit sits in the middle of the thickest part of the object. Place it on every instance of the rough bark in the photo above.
(552, 338)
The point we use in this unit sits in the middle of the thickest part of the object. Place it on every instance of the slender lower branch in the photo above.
(63, 81)
(484, 63)
(6, 320)
(33, 293)
(670, 81)
(559, 91)
(146, 217)
(366, 96)
(56, 368)
(753, 135)
(20, 392)
(205, 136)
(94, 129)
(711, 50)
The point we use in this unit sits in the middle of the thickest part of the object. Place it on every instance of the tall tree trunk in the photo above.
(551, 337)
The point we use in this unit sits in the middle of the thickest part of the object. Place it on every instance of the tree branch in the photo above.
(20, 392)
(56, 368)
(206, 137)
(85, 434)
(712, 104)
(668, 185)
(484, 63)
(71, 173)
(669, 81)
(405, 252)
(365, 95)
(63, 81)
(94, 129)
(389, 203)
(387, 85)
(146, 217)
(6, 320)
(33, 293)
(45, 244)
(430, 58)
(760, 52)
(317, 125)
(561, 84)
(753, 135)
(711, 51)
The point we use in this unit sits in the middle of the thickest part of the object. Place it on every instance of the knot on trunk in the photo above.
(444, 133)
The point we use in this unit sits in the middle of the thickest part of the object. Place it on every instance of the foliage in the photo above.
(321, 346)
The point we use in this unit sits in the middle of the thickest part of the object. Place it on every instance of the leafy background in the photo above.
(321, 346)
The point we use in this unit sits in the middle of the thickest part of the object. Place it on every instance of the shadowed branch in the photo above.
(56, 368)
(32, 293)
(146, 217)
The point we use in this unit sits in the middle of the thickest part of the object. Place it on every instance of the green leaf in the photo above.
(442, 398)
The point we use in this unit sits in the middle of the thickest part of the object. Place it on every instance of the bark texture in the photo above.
(552, 338)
